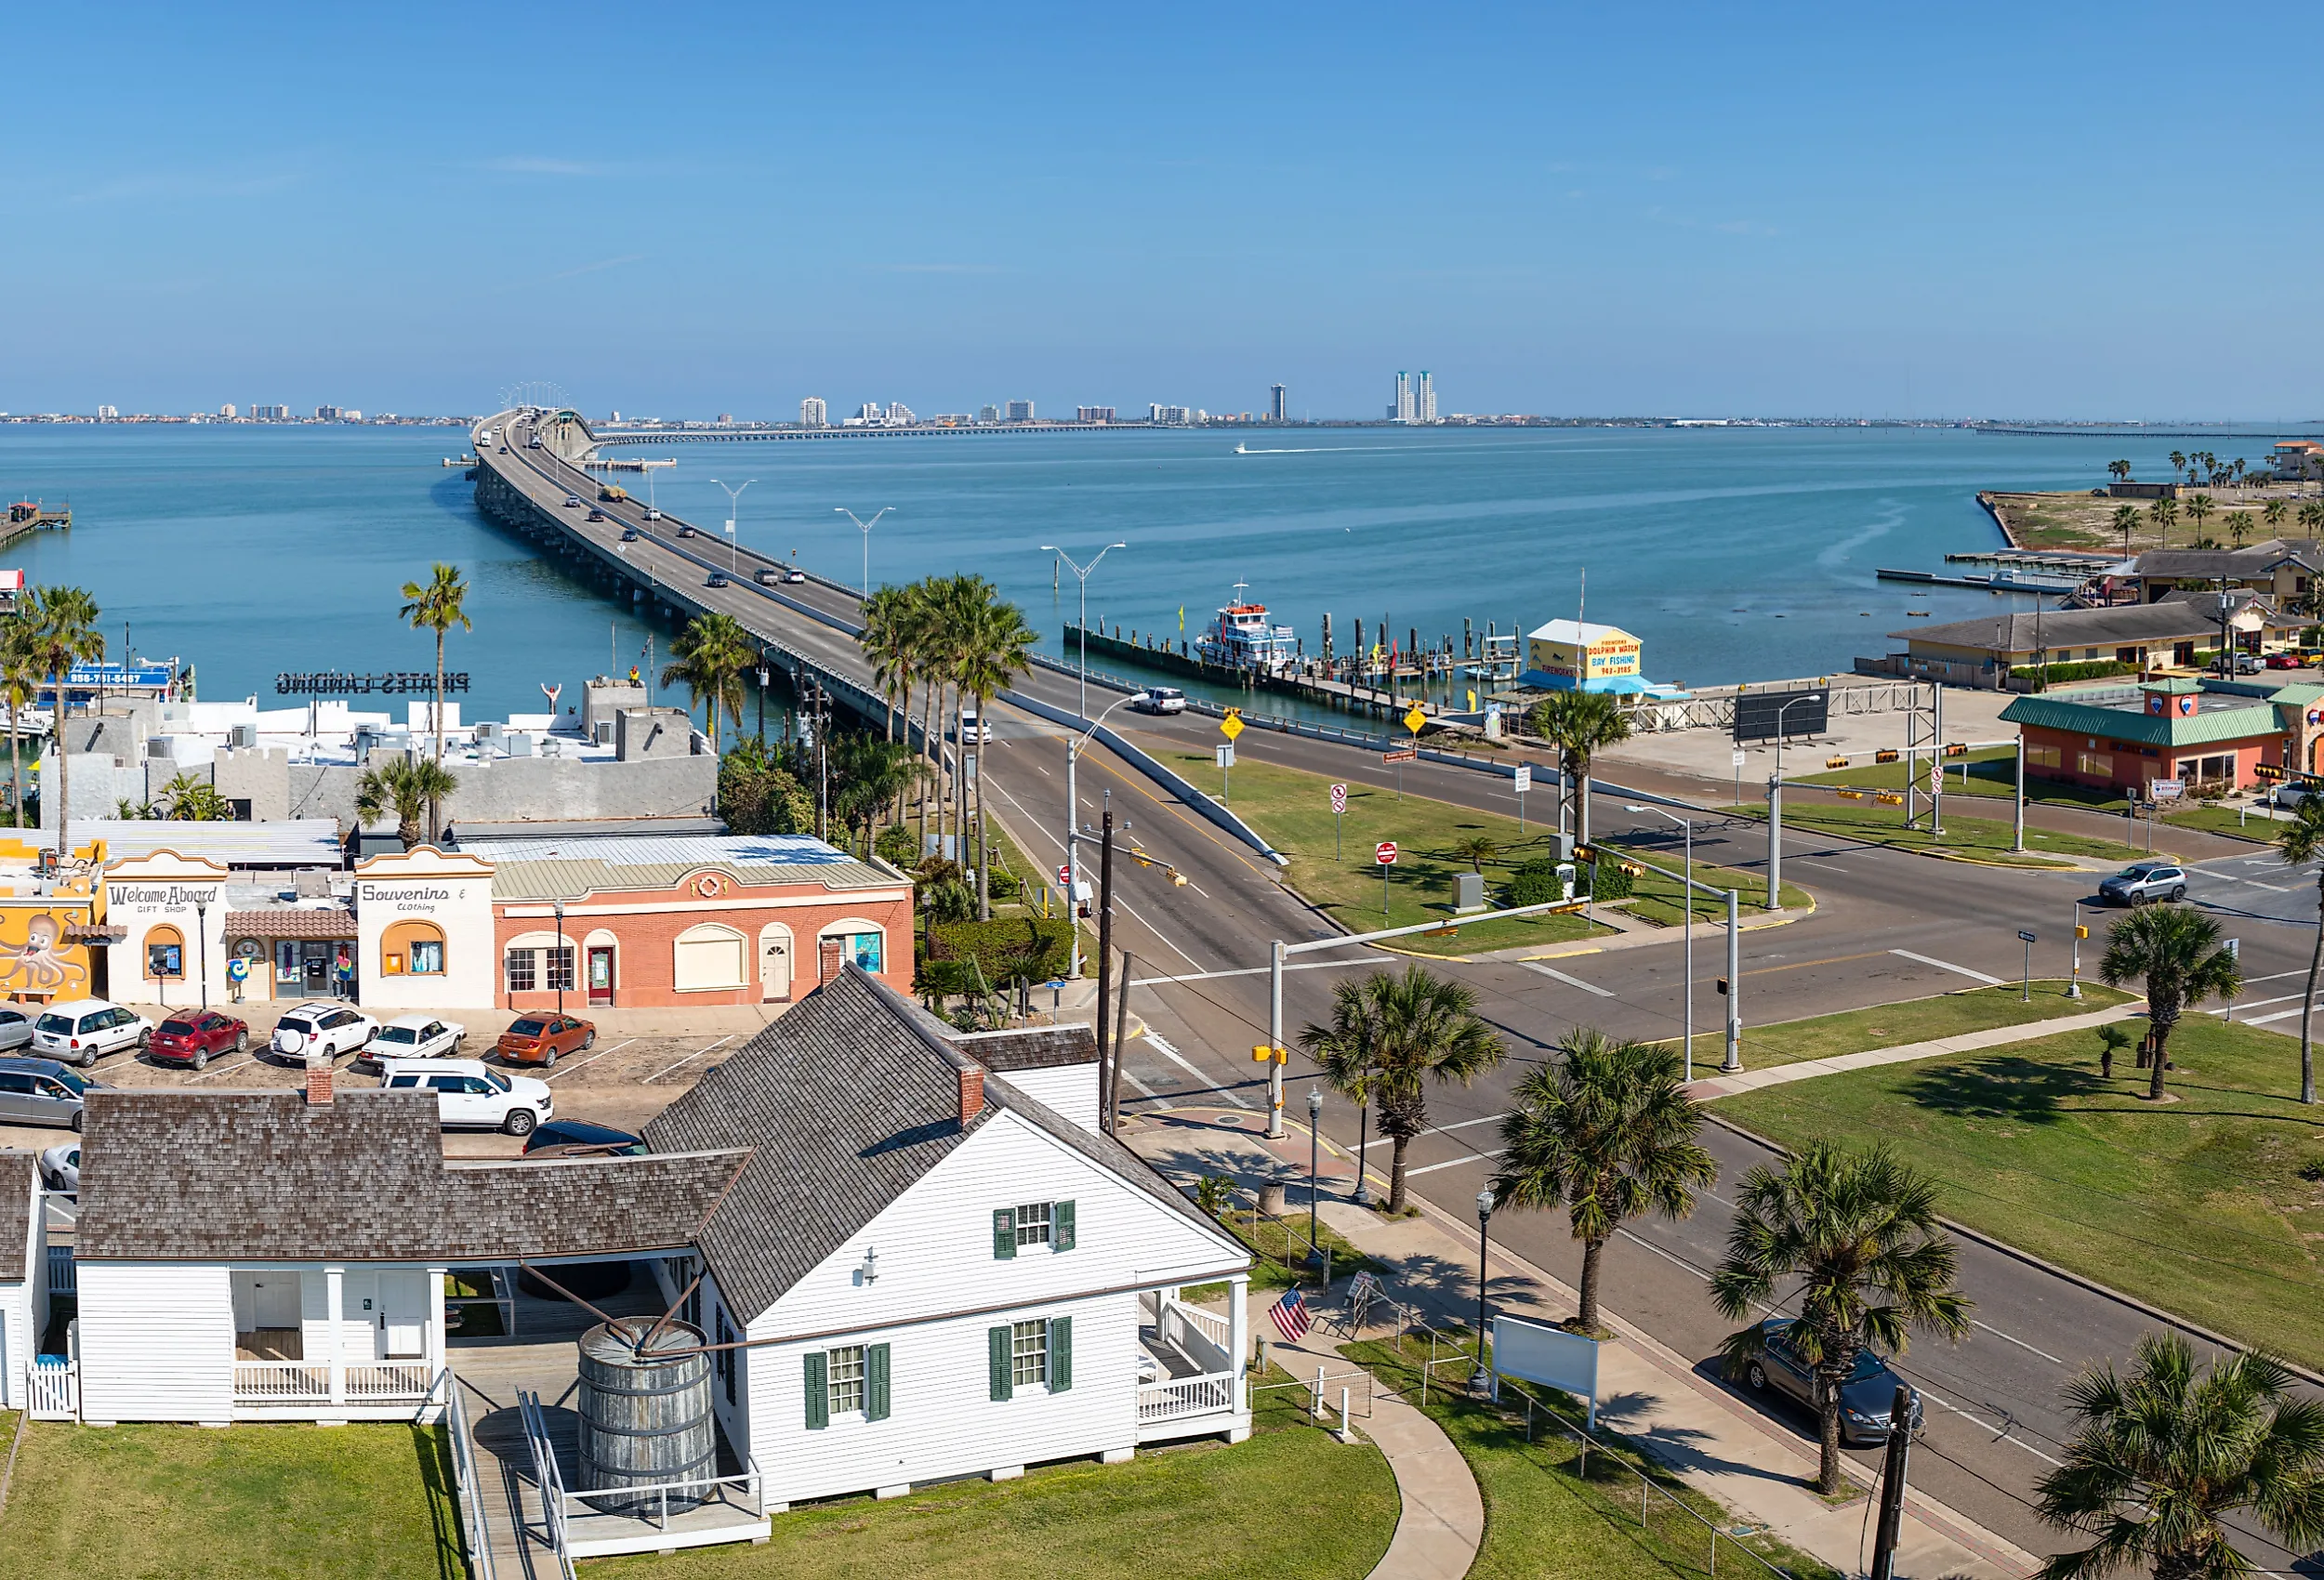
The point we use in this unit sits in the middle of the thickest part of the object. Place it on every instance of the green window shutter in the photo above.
(1004, 1234)
(1061, 1354)
(876, 1382)
(818, 1394)
(1061, 1232)
(997, 1346)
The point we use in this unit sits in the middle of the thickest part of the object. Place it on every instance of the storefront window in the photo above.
(427, 957)
(164, 959)
(522, 974)
(865, 949)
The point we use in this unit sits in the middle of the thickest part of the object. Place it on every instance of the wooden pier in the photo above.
(1355, 697)
(30, 516)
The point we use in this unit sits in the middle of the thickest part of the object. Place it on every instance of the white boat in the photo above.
(1241, 448)
(1241, 639)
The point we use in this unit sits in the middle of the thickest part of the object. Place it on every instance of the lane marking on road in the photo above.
(213, 1074)
(2015, 1339)
(1210, 1083)
(2279, 1015)
(2273, 977)
(2257, 1003)
(688, 1059)
(1142, 921)
(2239, 878)
(1948, 966)
(1540, 969)
(2000, 1429)
(1804, 965)
(591, 1059)
(1453, 1163)
(1460, 1125)
(1247, 971)
(1196, 887)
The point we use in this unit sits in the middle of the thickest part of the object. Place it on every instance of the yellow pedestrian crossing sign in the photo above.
(1414, 719)
(1231, 725)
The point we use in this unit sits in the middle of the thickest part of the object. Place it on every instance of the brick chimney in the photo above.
(318, 1080)
(972, 1093)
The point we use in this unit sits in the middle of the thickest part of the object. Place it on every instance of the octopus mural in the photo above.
(40, 961)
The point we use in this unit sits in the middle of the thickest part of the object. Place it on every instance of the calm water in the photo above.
(1733, 554)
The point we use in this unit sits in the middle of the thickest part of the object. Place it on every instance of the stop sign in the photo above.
(1384, 854)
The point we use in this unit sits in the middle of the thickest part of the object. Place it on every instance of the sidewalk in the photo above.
(1713, 1087)
(1656, 1397)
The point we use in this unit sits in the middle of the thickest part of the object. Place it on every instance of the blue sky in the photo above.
(2074, 211)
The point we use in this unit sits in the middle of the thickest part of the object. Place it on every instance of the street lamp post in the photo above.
(556, 956)
(1687, 897)
(1081, 574)
(1073, 828)
(734, 509)
(1803, 697)
(1481, 1380)
(866, 527)
(1314, 1170)
(202, 943)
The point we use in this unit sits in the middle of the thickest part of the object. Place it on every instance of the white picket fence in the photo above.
(56, 1390)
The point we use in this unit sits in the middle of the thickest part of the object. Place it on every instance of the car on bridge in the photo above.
(572, 502)
(685, 532)
(628, 534)
(794, 576)
(651, 514)
(718, 579)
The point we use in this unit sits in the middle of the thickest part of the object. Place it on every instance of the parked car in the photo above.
(16, 1027)
(2287, 661)
(1159, 699)
(572, 502)
(1867, 1399)
(794, 576)
(472, 1095)
(40, 1091)
(2289, 795)
(578, 1137)
(2247, 664)
(321, 1027)
(542, 1040)
(192, 1036)
(60, 1169)
(82, 1031)
(413, 1036)
(2141, 881)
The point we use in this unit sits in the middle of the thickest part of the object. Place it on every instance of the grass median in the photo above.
(1921, 1021)
(1333, 866)
(1983, 838)
(2210, 1206)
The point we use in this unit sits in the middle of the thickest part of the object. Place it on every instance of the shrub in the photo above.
(896, 847)
(1535, 883)
(1021, 946)
(1609, 879)
(2060, 674)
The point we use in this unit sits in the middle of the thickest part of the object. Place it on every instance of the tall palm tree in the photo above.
(2125, 521)
(997, 650)
(1607, 1133)
(2121, 470)
(1416, 1028)
(1344, 1050)
(2239, 526)
(2198, 510)
(2312, 516)
(411, 788)
(1855, 1236)
(2273, 513)
(2176, 949)
(19, 683)
(2161, 1458)
(1579, 724)
(63, 626)
(2178, 461)
(2162, 512)
(868, 773)
(709, 658)
(887, 643)
(437, 606)
(2300, 842)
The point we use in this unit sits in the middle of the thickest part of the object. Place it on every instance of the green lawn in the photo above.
(2197, 1206)
(1544, 1518)
(1992, 775)
(1249, 1510)
(1292, 810)
(1982, 838)
(291, 1501)
(1919, 1020)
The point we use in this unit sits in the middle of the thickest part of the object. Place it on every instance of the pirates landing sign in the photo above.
(345, 683)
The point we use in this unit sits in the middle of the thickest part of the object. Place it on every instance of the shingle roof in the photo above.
(292, 921)
(2071, 627)
(20, 1176)
(2096, 720)
(1030, 1047)
(537, 869)
(2229, 563)
(203, 1177)
(847, 1103)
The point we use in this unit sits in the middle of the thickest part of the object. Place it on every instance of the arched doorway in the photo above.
(774, 964)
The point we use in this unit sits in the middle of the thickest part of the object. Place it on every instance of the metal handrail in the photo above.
(546, 1477)
(475, 1527)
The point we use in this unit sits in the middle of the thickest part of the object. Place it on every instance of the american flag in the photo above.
(1290, 1316)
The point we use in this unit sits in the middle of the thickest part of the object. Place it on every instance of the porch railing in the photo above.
(547, 1478)
(393, 1380)
(282, 1382)
(1185, 1396)
(1197, 1335)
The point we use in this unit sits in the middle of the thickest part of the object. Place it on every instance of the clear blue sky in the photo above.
(679, 209)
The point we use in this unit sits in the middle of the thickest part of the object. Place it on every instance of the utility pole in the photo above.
(1774, 844)
(1105, 942)
(1893, 1486)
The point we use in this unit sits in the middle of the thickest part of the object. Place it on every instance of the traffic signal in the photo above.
(1584, 853)
(1262, 1053)
(1886, 756)
(1722, 987)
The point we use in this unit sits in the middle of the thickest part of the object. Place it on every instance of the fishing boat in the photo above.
(1241, 639)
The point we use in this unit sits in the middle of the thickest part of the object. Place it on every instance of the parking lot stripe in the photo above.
(213, 1074)
(688, 1059)
(591, 1059)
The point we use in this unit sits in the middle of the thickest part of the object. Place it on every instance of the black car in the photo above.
(578, 1137)
(1867, 1399)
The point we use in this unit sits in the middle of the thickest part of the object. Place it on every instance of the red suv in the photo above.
(191, 1037)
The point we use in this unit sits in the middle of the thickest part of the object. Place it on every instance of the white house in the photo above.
(23, 1275)
(923, 1272)
(280, 1255)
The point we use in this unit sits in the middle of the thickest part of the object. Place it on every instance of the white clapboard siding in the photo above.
(1071, 1090)
(18, 1338)
(157, 1342)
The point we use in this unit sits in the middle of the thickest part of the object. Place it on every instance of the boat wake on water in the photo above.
(1312, 450)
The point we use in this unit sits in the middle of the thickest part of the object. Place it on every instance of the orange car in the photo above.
(540, 1039)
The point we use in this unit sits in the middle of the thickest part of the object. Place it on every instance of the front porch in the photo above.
(338, 1344)
(1190, 1376)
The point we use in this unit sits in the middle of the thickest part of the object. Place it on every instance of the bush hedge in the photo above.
(1021, 946)
(1535, 883)
(1609, 879)
(2060, 674)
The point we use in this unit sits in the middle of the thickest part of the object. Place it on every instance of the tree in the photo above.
(2176, 949)
(1476, 851)
(2239, 526)
(188, 799)
(2159, 1460)
(2162, 512)
(2273, 513)
(62, 627)
(709, 658)
(2312, 516)
(2178, 461)
(758, 795)
(437, 607)
(2125, 521)
(1408, 1031)
(868, 775)
(2121, 470)
(1607, 1133)
(1579, 724)
(994, 650)
(19, 683)
(411, 788)
(2301, 841)
(1855, 1236)
(2198, 510)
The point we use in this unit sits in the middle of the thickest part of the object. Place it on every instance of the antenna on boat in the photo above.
(1239, 588)
(1583, 602)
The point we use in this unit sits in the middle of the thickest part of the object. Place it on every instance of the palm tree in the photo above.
(2239, 526)
(868, 773)
(2301, 841)
(994, 651)
(1855, 1236)
(19, 683)
(2162, 512)
(62, 626)
(1606, 1133)
(2273, 513)
(1579, 724)
(1414, 1029)
(412, 789)
(2178, 461)
(188, 799)
(2161, 1458)
(1344, 1050)
(886, 640)
(2312, 516)
(709, 658)
(437, 607)
(2121, 470)
(2125, 520)
(2199, 510)
(2176, 949)
(1476, 851)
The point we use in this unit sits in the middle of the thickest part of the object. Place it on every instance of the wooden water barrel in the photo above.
(645, 1420)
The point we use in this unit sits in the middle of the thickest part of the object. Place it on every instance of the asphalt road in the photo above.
(1888, 926)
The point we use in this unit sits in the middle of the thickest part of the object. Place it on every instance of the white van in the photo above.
(80, 1030)
(471, 1095)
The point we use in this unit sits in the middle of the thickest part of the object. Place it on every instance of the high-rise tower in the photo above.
(1278, 405)
(1402, 409)
(1424, 399)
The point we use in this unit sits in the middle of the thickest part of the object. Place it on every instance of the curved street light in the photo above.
(1073, 825)
(1081, 574)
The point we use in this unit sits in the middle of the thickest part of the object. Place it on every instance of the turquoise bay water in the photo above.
(1733, 554)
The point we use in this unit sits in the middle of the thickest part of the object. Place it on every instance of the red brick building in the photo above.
(2200, 733)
